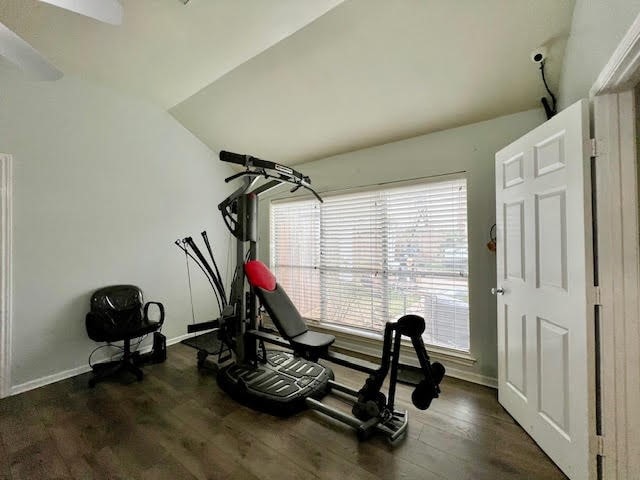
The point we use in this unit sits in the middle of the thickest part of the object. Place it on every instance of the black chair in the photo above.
(118, 313)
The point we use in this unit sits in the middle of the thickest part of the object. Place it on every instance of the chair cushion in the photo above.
(283, 312)
(104, 328)
(312, 340)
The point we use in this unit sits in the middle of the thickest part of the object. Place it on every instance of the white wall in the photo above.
(471, 149)
(596, 30)
(103, 186)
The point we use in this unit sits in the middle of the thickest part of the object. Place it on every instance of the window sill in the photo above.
(459, 364)
(369, 343)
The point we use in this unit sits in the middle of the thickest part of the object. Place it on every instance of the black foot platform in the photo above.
(279, 386)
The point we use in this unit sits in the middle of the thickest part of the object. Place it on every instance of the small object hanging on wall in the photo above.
(491, 244)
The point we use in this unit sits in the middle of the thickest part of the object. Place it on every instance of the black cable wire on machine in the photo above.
(193, 313)
(235, 272)
(206, 265)
(215, 265)
(206, 274)
(215, 291)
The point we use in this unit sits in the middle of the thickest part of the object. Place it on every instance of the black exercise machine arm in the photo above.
(411, 326)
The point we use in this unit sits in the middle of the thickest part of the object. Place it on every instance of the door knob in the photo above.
(497, 291)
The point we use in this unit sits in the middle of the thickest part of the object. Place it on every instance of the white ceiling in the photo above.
(297, 80)
(164, 51)
(373, 71)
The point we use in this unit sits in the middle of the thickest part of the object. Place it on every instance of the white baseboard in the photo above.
(56, 377)
(452, 371)
(472, 377)
(179, 338)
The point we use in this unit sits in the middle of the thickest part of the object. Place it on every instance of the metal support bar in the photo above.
(394, 434)
(267, 187)
(394, 370)
(353, 363)
(343, 388)
(334, 413)
(199, 327)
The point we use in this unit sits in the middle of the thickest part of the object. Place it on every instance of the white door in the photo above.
(545, 277)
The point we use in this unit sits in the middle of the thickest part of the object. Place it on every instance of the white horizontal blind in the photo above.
(362, 259)
(295, 253)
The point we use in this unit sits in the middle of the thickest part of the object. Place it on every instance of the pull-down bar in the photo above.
(256, 167)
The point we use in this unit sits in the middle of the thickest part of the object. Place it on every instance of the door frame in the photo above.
(6, 271)
(618, 252)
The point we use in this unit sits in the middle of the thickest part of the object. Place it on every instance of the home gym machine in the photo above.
(286, 380)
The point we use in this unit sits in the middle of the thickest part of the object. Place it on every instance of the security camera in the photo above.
(539, 55)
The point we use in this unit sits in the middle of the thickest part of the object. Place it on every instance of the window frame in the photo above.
(350, 331)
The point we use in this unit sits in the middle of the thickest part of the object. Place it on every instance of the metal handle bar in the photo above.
(253, 162)
(284, 178)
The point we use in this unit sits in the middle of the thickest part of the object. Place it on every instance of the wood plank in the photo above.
(5, 467)
(310, 455)
(177, 423)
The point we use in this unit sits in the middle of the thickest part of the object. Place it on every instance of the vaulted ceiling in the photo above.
(297, 80)
(164, 51)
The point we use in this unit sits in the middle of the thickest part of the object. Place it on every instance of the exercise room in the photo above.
(319, 239)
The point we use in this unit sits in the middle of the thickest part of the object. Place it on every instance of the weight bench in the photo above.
(371, 410)
(284, 314)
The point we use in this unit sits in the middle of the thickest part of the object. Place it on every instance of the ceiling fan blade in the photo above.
(19, 52)
(108, 11)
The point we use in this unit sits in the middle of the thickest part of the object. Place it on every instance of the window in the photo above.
(361, 259)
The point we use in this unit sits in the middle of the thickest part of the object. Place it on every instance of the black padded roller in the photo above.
(423, 395)
(411, 326)
(437, 371)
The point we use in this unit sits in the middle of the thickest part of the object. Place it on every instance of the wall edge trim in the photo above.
(73, 372)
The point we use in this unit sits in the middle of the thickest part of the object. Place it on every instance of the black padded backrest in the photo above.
(114, 309)
(116, 298)
(283, 312)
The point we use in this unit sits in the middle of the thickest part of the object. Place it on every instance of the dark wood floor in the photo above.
(177, 424)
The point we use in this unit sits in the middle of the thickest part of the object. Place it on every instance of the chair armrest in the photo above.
(160, 307)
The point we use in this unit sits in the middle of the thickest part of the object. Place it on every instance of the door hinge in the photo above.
(600, 445)
(594, 148)
(597, 296)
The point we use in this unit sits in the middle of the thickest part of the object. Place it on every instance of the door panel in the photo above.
(514, 240)
(549, 154)
(516, 338)
(551, 245)
(544, 261)
(513, 171)
(553, 398)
